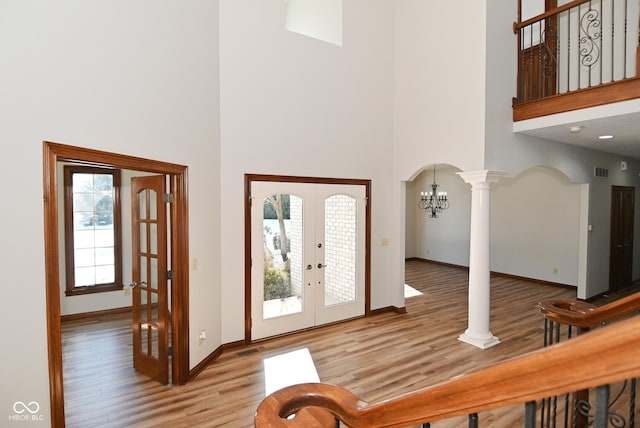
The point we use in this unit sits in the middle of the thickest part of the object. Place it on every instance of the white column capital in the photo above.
(479, 177)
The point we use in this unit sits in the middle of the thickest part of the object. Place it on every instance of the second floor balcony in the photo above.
(582, 54)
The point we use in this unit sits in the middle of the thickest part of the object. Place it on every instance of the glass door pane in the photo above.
(283, 273)
(340, 249)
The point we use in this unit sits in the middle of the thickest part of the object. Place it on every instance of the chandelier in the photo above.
(433, 202)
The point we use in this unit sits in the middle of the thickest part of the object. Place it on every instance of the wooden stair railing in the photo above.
(585, 315)
(564, 319)
(601, 357)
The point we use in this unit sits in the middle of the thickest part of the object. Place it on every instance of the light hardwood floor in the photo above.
(376, 358)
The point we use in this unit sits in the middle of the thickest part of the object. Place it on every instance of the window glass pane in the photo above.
(154, 273)
(340, 249)
(143, 237)
(154, 308)
(82, 182)
(84, 239)
(142, 205)
(154, 342)
(283, 267)
(104, 256)
(153, 238)
(144, 316)
(104, 238)
(105, 274)
(84, 257)
(82, 220)
(153, 206)
(143, 269)
(85, 276)
(103, 210)
(102, 183)
(144, 339)
(83, 202)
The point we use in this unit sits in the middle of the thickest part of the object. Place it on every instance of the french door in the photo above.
(308, 255)
(150, 284)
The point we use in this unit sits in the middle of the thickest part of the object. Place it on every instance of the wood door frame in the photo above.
(56, 152)
(248, 178)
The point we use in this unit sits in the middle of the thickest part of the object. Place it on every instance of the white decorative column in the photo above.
(478, 333)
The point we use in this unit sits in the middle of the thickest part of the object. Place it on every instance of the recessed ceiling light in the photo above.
(575, 129)
(605, 137)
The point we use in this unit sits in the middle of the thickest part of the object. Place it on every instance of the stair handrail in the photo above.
(550, 13)
(601, 357)
(581, 314)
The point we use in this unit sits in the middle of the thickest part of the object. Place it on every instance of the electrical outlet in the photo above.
(555, 270)
(202, 336)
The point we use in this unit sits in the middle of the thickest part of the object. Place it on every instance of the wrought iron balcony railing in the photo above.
(577, 47)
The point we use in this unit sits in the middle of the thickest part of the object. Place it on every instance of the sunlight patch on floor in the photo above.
(409, 291)
(291, 368)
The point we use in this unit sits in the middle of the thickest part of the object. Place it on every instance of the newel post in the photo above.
(478, 333)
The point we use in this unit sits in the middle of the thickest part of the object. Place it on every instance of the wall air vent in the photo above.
(600, 172)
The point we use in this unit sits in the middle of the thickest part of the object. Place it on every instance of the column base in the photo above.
(479, 342)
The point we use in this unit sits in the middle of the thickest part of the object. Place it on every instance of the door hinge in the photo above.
(170, 351)
(169, 274)
(168, 198)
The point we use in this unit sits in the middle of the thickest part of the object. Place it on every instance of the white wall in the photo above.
(535, 226)
(293, 105)
(139, 78)
(439, 85)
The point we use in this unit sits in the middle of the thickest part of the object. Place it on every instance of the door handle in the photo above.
(135, 284)
(320, 265)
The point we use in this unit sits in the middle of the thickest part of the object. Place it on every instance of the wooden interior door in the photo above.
(621, 248)
(150, 295)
